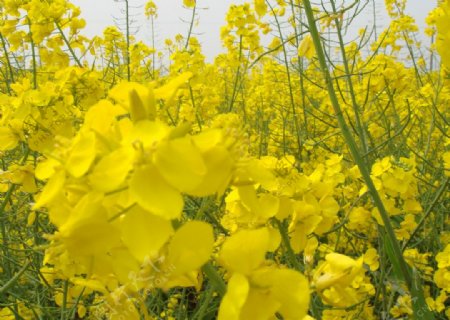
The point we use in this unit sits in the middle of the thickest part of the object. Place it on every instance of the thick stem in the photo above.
(395, 254)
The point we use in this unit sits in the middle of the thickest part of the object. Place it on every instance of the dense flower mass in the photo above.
(305, 179)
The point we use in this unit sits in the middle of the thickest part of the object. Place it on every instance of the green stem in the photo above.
(215, 278)
(396, 255)
(13, 280)
(64, 302)
(439, 193)
(359, 125)
(236, 80)
(287, 244)
(205, 303)
(288, 74)
(66, 41)
(33, 54)
(194, 106)
(3, 220)
(127, 17)
(8, 62)
(153, 48)
(191, 26)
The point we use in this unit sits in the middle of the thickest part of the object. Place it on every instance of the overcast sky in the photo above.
(173, 18)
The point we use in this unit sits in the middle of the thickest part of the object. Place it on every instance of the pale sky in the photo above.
(171, 14)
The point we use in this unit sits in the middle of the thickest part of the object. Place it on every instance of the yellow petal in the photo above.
(233, 301)
(46, 168)
(189, 279)
(90, 237)
(123, 264)
(248, 197)
(137, 109)
(290, 289)
(147, 132)
(219, 166)
(167, 91)
(51, 190)
(110, 172)
(269, 206)
(260, 7)
(82, 154)
(190, 247)
(285, 208)
(180, 163)
(81, 310)
(274, 239)
(298, 239)
(87, 231)
(153, 193)
(260, 174)
(101, 116)
(259, 305)
(89, 283)
(59, 212)
(144, 233)
(180, 130)
(329, 206)
(340, 262)
(207, 140)
(121, 94)
(8, 140)
(31, 218)
(306, 48)
(245, 250)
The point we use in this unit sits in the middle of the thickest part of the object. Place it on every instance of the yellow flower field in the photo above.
(306, 179)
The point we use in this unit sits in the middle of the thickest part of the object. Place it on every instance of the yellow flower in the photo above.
(443, 33)
(87, 231)
(371, 259)
(8, 139)
(338, 269)
(266, 292)
(340, 280)
(245, 251)
(151, 9)
(443, 258)
(260, 7)
(306, 48)
(190, 247)
(189, 3)
(138, 99)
